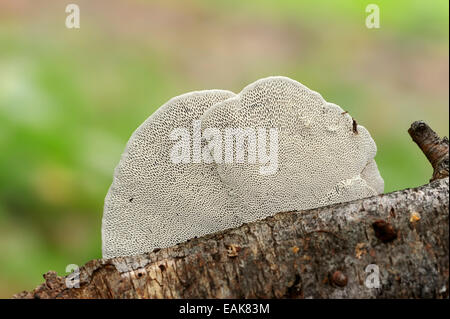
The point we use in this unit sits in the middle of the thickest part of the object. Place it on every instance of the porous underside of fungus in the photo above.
(322, 158)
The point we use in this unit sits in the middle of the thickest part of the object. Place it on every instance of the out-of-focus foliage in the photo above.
(70, 99)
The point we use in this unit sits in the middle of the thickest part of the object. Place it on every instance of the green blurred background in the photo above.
(70, 98)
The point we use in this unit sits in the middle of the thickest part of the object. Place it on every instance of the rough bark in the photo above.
(318, 253)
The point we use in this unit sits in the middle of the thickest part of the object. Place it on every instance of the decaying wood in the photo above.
(318, 253)
(434, 148)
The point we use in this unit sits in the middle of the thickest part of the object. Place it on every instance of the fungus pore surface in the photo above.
(314, 158)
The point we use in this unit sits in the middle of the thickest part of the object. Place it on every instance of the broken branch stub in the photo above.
(435, 149)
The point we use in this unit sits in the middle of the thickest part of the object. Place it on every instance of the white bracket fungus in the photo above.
(181, 176)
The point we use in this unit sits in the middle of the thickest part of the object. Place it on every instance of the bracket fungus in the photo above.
(211, 160)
